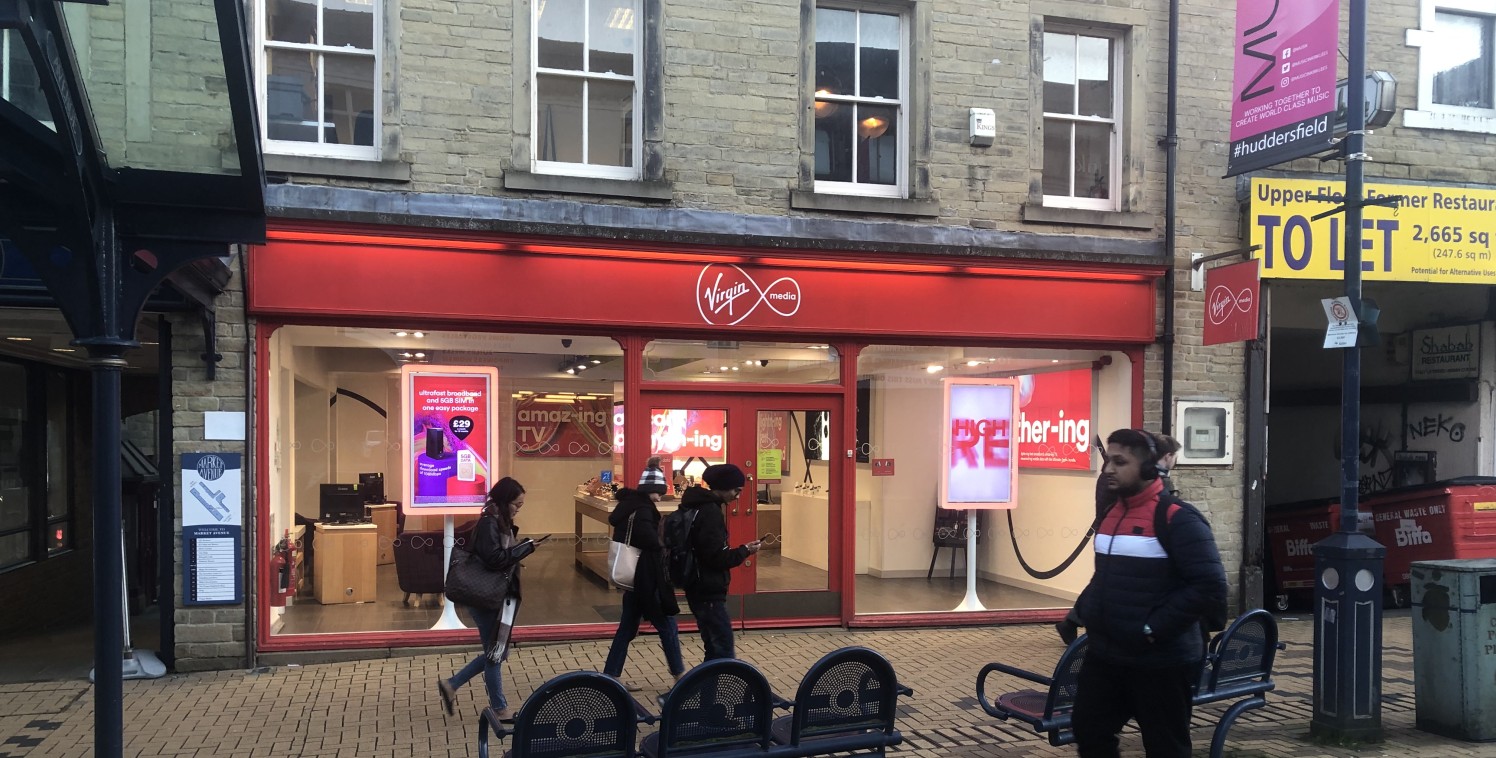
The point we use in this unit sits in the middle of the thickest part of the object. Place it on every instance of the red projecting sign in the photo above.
(1231, 300)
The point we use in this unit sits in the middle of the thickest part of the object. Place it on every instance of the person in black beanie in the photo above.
(636, 521)
(707, 595)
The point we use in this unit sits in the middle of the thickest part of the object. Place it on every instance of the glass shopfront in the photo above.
(775, 365)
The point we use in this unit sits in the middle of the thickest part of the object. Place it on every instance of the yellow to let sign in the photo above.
(1438, 234)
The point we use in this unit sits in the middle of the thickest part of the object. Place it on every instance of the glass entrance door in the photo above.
(792, 499)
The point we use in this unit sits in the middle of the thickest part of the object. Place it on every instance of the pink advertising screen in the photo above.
(448, 415)
(978, 466)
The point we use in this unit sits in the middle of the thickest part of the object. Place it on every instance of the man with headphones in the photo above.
(1143, 606)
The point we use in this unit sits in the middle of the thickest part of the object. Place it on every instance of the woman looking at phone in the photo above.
(496, 542)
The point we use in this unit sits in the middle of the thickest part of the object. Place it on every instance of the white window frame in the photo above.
(1113, 201)
(562, 168)
(1432, 115)
(262, 60)
(900, 188)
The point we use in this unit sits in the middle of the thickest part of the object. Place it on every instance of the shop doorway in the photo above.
(793, 498)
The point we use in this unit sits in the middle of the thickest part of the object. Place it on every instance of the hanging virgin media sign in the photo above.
(726, 294)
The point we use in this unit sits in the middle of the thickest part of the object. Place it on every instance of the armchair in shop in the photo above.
(419, 569)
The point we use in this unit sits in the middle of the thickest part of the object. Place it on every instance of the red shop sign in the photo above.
(1231, 299)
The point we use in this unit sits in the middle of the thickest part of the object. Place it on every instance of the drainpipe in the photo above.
(1170, 143)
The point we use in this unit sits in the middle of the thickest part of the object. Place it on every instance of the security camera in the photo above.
(565, 342)
(763, 362)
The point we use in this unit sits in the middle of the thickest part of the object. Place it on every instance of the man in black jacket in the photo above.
(1142, 609)
(707, 595)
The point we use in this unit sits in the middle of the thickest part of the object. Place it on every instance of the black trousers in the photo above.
(1108, 694)
(715, 625)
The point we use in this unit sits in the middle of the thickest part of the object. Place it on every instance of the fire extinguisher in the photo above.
(283, 572)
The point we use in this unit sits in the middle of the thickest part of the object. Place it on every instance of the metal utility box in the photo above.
(1454, 647)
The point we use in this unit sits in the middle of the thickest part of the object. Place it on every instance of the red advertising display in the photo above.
(683, 434)
(1054, 420)
(1231, 295)
(553, 427)
(976, 446)
(448, 412)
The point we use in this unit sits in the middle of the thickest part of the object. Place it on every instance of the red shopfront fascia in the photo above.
(325, 275)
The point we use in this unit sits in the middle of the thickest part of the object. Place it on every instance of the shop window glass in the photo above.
(335, 410)
(15, 488)
(735, 361)
(20, 84)
(901, 538)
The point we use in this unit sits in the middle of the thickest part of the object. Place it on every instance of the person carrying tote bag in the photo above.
(636, 522)
(496, 545)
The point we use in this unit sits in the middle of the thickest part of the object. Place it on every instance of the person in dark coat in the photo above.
(1143, 609)
(1168, 451)
(652, 597)
(715, 561)
(496, 542)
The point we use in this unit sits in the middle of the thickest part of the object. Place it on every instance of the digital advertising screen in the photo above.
(448, 415)
(978, 467)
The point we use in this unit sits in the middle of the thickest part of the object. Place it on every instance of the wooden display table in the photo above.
(346, 555)
(598, 508)
(383, 516)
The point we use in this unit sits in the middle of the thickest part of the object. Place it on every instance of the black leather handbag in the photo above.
(470, 582)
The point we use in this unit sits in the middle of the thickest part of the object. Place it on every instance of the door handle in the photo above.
(749, 512)
(734, 510)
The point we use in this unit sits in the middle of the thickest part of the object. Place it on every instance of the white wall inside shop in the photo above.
(362, 437)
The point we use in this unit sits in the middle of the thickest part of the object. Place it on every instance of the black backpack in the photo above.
(1215, 619)
(680, 559)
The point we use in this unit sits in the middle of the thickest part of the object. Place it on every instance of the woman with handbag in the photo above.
(648, 593)
(491, 599)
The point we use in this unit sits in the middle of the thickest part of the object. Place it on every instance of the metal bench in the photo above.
(1238, 667)
(580, 713)
(846, 702)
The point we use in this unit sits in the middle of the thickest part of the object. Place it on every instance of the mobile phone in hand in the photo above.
(766, 537)
(542, 539)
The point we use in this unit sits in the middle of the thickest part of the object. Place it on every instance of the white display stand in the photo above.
(970, 602)
(449, 619)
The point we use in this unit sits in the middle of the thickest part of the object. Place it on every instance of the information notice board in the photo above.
(212, 528)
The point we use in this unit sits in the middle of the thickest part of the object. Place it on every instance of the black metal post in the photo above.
(109, 639)
(1348, 564)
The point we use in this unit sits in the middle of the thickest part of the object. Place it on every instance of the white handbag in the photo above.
(623, 558)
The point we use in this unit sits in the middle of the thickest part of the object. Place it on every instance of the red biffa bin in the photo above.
(1446, 520)
(1292, 530)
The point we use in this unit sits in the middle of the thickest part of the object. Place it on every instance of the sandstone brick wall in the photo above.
(211, 637)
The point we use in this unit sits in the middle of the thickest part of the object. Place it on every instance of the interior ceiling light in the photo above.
(747, 363)
(19, 339)
(402, 334)
(571, 371)
(934, 369)
(420, 355)
(596, 361)
(63, 350)
(734, 368)
(973, 363)
(581, 367)
(1054, 360)
(418, 335)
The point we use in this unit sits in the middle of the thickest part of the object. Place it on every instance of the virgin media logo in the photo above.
(726, 294)
(1223, 304)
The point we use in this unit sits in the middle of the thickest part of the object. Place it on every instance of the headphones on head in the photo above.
(1148, 470)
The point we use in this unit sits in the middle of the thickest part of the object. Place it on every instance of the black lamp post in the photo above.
(102, 238)
(1348, 564)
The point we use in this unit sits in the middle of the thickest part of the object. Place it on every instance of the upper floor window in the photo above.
(586, 88)
(319, 77)
(1456, 66)
(861, 86)
(1082, 134)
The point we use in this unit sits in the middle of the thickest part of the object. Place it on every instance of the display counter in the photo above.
(345, 563)
(383, 517)
(806, 530)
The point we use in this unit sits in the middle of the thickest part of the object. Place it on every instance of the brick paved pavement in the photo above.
(389, 707)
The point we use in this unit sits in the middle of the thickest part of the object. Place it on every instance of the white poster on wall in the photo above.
(1449, 353)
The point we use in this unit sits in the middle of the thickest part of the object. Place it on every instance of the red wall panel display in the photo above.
(513, 282)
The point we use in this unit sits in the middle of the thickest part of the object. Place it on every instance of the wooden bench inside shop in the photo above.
(1238, 668)
(723, 708)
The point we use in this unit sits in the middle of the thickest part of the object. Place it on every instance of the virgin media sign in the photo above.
(1231, 294)
(726, 294)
